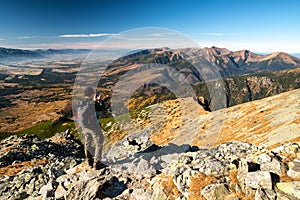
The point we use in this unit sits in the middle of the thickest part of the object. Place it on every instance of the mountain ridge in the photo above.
(247, 76)
(228, 63)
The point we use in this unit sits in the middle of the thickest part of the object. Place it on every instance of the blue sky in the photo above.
(261, 26)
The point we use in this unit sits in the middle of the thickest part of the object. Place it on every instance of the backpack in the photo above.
(84, 116)
(81, 108)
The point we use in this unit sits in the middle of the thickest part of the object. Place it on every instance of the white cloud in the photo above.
(30, 37)
(56, 46)
(155, 34)
(1, 39)
(26, 37)
(214, 34)
(87, 35)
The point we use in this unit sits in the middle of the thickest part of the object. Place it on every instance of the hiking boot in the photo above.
(90, 162)
(99, 165)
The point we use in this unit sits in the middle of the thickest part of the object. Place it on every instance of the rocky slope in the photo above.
(27, 163)
(171, 151)
(267, 122)
(232, 170)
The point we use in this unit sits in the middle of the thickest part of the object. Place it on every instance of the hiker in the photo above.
(91, 129)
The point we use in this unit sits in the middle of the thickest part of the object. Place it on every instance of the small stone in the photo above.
(138, 194)
(60, 192)
(143, 168)
(248, 191)
(125, 143)
(159, 194)
(34, 147)
(271, 194)
(215, 192)
(264, 158)
(30, 187)
(260, 195)
(294, 170)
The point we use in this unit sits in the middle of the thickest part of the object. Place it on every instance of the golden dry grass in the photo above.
(170, 189)
(174, 111)
(28, 114)
(198, 183)
(166, 184)
(13, 169)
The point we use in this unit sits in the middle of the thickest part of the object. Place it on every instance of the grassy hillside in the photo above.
(47, 129)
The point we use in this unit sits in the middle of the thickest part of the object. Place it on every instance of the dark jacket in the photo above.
(91, 114)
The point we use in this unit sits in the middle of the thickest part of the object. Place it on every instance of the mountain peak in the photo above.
(220, 51)
(281, 57)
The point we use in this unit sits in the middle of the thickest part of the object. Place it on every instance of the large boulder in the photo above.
(271, 164)
(290, 188)
(259, 179)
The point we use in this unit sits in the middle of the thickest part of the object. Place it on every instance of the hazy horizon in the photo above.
(296, 54)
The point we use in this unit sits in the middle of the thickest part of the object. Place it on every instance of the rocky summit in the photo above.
(54, 168)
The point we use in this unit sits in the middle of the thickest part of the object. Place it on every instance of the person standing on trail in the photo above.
(91, 129)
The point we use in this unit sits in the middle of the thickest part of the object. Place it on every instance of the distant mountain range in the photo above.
(247, 76)
(9, 53)
(228, 63)
(221, 56)
(242, 62)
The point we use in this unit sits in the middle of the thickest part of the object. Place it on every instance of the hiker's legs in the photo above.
(98, 138)
(88, 149)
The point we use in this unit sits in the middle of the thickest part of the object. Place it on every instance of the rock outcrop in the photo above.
(232, 170)
(27, 163)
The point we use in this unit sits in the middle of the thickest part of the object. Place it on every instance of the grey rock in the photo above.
(290, 188)
(273, 166)
(84, 190)
(139, 194)
(48, 190)
(264, 158)
(159, 194)
(244, 168)
(294, 169)
(215, 192)
(60, 192)
(260, 195)
(259, 179)
(28, 182)
(271, 194)
(129, 176)
(248, 191)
